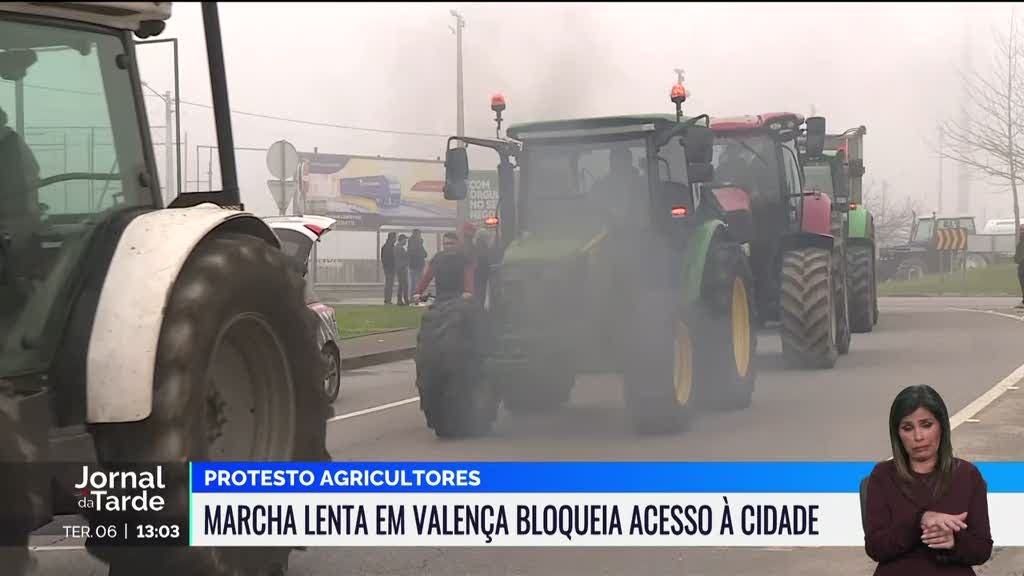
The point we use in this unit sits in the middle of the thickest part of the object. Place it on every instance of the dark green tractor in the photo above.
(611, 257)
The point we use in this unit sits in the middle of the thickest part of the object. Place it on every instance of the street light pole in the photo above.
(460, 23)
(169, 145)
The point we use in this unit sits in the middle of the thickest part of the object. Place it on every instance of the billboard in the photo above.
(365, 192)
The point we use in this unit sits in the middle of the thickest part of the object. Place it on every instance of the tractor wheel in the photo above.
(238, 378)
(15, 493)
(725, 316)
(456, 397)
(809, 323)
(659, 369)
(332, 376)
(862, 288)
(842, 300)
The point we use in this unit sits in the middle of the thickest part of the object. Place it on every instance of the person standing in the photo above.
(1018, 257)
(417, 257)
(387, 261)
(402, 270)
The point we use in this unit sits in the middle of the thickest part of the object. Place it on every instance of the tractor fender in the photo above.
(798, 240)
(817, 214)
(696, 257)
(861, 241)
(149, 255)
(858, 223)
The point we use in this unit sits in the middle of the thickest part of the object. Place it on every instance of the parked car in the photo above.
(299, 236)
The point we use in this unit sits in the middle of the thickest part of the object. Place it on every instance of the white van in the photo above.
(999, 226)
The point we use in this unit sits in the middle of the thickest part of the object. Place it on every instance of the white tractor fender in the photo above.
(150, 254)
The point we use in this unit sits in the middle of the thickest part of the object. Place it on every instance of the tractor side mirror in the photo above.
(815, 136)
(699, 142)
(703, 172)
(456, 170)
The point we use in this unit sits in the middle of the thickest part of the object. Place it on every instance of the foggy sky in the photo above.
(889, 67)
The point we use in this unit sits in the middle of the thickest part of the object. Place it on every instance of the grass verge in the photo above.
(992, 281)
(361, 320)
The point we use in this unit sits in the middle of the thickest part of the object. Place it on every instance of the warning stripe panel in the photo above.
(951, 239)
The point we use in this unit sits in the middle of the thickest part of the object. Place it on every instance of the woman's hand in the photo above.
(939, 538)
(948, 522)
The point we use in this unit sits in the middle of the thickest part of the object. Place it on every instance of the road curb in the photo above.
(946, 295)
(377, 358)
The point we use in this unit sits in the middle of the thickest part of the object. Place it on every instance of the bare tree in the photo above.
(893, 218)
(989, 140)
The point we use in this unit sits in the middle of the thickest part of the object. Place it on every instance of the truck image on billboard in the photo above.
(367, 192)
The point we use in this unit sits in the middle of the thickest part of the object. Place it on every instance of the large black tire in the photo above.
(842, 302)
(15, 493)
(236, 340)
(659, 371)
(725, 318)
(863, 302)
(809, 324)
(456, 397)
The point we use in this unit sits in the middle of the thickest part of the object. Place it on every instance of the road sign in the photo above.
(282, 159)
(950, 239)
(283, 191)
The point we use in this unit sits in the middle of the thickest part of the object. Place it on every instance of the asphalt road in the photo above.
(962, 347)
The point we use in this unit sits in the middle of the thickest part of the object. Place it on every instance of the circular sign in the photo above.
(282, 159)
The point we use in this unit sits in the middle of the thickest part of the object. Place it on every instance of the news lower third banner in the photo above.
(550, 504)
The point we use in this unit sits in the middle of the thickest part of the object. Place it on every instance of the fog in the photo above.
(892, 68)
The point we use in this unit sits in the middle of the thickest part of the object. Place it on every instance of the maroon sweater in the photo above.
(892, 534)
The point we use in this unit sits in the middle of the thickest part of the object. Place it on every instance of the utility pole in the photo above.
(169, 147)
(461, 207)
(940, 168)
(460, 23)
(679, 75)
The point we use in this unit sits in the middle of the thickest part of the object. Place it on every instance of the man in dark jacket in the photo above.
(452, 268)
(387, 262)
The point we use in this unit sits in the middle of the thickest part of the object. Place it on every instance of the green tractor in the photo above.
(838, 171)
(611, 257)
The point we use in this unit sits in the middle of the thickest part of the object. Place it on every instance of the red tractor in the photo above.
(798, 252)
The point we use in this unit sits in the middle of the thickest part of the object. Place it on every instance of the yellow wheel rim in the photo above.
(740, 327)
(683, 374)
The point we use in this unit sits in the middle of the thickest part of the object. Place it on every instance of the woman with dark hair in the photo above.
(926, 510)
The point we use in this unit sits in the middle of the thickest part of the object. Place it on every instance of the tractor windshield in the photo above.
(818, 178)
(923, 231)
(749, 162)
(71, 153)
(575, 188)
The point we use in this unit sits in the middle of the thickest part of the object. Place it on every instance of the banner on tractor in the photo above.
(550, 504)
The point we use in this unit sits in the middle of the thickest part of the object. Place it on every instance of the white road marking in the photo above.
(1009, 383)
(380, 408)
(968, 412)
(55, 548)
(992, 312)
